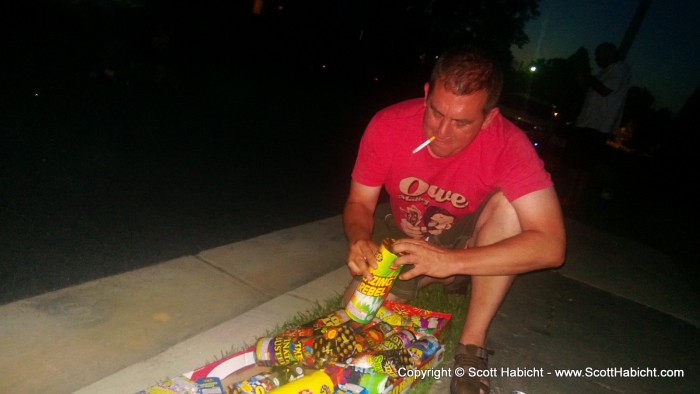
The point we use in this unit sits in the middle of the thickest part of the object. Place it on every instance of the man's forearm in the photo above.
(525, 252)
(358, 222)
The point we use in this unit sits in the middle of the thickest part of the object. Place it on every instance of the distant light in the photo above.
(36, 94)
(533, 69)
(323, 66)
(536, 144)
(555, 114)
(376, 79)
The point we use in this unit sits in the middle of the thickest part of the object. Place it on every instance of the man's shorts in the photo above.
(454, 238)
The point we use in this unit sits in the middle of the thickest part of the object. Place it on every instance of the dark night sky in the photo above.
(665, 56)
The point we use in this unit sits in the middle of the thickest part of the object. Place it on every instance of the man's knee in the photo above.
(498, 221)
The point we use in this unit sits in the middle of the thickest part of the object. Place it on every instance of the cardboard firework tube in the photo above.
(370, 294)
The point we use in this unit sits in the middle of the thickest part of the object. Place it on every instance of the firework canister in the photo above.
(280, 350)
(317, 382)
(336, 342)
(375, 383)
(332, 319)
(264, 383)
(384, 361)
(370, 294)
(424, 348)
(273, 379)
(350, 388)
(398, 340)
(372, 335)
(256, 385)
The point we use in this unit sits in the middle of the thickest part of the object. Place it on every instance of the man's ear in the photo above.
(426, 89)
(489, 117)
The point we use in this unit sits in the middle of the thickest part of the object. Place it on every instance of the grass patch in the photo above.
(433, 298)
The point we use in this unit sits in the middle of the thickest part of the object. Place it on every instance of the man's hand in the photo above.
(411, 230)
(361, 257)
(426, 258)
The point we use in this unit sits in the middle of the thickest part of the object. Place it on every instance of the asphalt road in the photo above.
(101, 177)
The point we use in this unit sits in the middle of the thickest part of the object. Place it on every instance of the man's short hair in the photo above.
(468, 69)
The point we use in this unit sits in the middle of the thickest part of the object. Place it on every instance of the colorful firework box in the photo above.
(331, 355)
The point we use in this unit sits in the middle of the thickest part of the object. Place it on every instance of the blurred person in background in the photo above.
(598, 120)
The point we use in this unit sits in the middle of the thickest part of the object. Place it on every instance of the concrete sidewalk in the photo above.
(167, 319)
(615, 304)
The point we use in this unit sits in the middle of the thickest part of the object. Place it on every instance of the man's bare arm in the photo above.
(358, 224)
(541, 244)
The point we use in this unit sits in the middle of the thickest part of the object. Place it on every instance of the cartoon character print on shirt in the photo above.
(433, 221)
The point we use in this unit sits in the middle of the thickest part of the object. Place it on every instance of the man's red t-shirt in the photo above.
(431, 193)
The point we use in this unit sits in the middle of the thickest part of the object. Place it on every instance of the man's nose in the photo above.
(443, 128)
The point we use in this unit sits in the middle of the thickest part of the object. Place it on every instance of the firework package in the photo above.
(353, 357)
(333, 354)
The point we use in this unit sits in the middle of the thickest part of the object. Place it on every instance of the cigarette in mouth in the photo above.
(424, 144)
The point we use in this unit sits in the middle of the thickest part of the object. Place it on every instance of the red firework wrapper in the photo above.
(418, 320)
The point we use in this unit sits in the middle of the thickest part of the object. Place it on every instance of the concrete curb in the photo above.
(212, 344)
